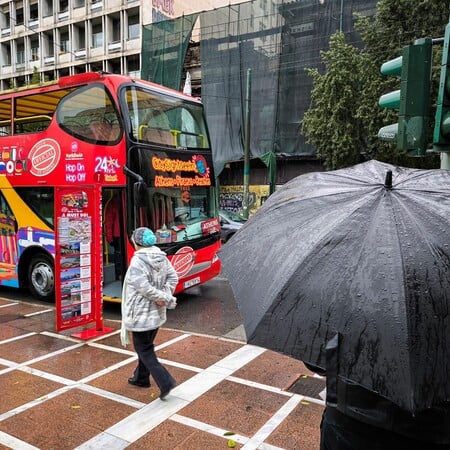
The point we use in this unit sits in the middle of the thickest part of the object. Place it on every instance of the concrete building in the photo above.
(52, 38)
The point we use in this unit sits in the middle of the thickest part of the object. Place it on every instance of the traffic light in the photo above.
(412, 99)
(441, 137)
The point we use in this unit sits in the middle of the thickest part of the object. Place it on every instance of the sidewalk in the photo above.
(59, 392)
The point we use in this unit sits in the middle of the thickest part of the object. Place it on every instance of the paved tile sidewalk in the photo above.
(59, 392)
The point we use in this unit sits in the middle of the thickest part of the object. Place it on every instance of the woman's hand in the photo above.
(160, 303)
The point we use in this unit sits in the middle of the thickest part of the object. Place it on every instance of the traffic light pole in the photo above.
(445, 161)
(441, 136)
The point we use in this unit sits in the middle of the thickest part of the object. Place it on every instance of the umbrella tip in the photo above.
(388, 180)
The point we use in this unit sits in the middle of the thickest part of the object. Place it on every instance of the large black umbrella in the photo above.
(363, 252)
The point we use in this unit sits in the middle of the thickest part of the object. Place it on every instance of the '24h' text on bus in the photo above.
(88, 159)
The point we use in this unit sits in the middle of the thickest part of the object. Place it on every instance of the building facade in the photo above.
(42, 40)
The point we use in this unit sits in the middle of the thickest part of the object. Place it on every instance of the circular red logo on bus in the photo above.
(183, 260)
(44, 157)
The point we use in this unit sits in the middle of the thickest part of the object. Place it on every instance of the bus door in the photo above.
(114, 239)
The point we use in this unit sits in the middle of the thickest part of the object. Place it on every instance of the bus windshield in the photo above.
(164, 120)
(175, 203)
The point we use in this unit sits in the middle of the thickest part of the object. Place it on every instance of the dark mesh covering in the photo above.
(277, 40)
(164, 47)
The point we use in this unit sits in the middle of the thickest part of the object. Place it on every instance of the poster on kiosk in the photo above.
(78, 249)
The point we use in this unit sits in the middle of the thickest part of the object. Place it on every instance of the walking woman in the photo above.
(147, 292)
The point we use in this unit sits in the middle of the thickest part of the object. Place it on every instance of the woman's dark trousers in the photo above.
(148, 362)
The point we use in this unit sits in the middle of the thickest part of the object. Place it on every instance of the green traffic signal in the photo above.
(391, 100)
(392, 67)
(412, 100)
(388, 133)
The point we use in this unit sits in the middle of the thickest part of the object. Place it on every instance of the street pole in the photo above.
(445, 160)
(247, 145)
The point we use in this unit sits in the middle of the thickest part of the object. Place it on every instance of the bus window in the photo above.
(180, 212)
(89, 114)
(29, 118)
(8, 224)
(166, 121)
(40, 200)
(5, 117)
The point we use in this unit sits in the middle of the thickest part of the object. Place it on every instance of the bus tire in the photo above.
(41, 277)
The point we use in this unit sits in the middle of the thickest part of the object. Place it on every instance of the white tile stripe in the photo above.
(220, 432)
(8, 304)
(108, 369)
(141, 422)
(34, 402)
(15, 443)
(179, 365)
(261, 386)
(38, 312)
(60, 336)
(16, 338)
(11, 365)
(264, 432)
(110, 395)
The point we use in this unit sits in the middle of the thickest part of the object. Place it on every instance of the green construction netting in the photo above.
(277, 40)
(164, 47)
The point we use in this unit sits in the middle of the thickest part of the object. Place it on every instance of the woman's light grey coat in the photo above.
(150, 277)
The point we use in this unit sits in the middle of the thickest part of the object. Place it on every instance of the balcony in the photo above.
(96, 5)
(48, 60)
(33, 23)
(63, 15)
(7, 69)
(115, 46)
(80, 53)
(6, 31)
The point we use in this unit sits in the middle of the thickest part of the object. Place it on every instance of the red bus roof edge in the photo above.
(80, 78)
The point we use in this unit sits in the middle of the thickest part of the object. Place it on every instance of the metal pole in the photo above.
(341, 16)
(247, 145)
(445, 160)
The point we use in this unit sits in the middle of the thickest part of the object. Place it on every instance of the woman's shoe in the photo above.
(166, 392)
(136, 383)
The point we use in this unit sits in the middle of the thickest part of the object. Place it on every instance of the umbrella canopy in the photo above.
(362, 252)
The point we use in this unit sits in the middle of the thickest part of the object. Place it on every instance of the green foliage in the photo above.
(35, 78)
(397, 23)
(330, 123)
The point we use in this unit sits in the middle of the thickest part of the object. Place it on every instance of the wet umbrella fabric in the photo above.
(341, 252)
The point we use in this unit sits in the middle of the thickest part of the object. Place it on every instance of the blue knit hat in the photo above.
(144, 237)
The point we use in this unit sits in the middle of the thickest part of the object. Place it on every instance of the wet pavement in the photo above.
(61, 392)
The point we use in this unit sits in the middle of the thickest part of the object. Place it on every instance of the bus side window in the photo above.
(40, 200)
(89, 114)
(8, 224)
(5, 117)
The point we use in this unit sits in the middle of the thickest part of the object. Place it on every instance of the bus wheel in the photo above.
(41, 278)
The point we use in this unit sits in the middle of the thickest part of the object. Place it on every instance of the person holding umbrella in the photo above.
(147, 291)
(357, 283)
(357, 418)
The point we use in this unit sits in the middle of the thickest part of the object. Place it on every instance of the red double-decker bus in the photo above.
(89, 158)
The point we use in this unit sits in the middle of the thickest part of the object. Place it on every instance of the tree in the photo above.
(330, 123)
(35, 78)
(397, 23)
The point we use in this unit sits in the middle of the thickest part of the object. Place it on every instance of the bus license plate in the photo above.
(192, 282)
